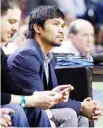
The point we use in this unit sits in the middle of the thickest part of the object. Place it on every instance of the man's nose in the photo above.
(61, 30)
(89, 39)
(15, 28)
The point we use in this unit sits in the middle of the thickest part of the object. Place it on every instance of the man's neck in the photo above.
(74, 49)
(2, 44)
(45, 47)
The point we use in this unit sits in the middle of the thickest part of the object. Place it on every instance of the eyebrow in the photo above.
(12, 20)
(58, 21)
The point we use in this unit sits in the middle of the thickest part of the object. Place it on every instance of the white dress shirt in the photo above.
(66, 47)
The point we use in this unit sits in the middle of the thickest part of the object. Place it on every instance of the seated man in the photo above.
(33, 66)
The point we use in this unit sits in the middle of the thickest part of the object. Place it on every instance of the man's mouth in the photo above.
(9, 36)
(60, 37)
(12, 34)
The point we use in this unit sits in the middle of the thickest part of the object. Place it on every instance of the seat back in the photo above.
(79, 77)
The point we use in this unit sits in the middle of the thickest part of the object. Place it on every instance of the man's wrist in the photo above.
(23, 101)
(15, 99)
(29, 101)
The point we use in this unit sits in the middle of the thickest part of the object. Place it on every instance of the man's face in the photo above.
(9, 24)
(84, 39)
(53, 31)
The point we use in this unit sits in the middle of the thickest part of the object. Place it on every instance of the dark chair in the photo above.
(79, 77)
(98, 59)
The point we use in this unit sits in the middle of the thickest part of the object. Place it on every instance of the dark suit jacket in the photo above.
(8, 84)
(27, 67)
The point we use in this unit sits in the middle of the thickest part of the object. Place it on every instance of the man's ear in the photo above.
(71, 36)
(37, 28)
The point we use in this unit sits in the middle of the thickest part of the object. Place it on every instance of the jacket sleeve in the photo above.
(24, 71)
(8, 84)
(75, 105)
(5, 98)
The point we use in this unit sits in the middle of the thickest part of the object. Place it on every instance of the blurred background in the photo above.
(91, 10)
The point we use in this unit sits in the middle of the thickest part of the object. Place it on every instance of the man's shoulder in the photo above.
(22, 53)
(25, 49)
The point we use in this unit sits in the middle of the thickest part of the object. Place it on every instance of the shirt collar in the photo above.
(47, 58)
(74, 50)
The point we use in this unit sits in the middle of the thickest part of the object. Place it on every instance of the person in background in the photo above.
(80, 39)
(9, 17)
(16, 41)
(99, 38)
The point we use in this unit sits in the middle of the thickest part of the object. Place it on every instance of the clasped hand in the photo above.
(91, 109)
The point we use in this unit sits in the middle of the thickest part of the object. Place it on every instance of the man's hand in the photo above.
(98, 111)
(91, 109)
(45, 99)
(64, 90)
(5, 119)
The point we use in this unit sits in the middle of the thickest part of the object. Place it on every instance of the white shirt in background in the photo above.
(66, 47)
(10, 48)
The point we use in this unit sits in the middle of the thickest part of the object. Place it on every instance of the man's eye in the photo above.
(56, 24)
(84, 35)
(63, 26)
(92, 35)
(12, 21)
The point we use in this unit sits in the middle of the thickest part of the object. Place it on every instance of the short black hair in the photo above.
(8, 4)
(40, 14)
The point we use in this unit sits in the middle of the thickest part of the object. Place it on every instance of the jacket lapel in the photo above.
(32, 44)
(52, 79)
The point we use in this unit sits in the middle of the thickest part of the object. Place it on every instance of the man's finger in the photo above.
(88, 99)
(98, 112)
(57, 98)
(7, 110)
(9, 123)
(3, 122)
(65, 91)
(53, 93)
(71, 88)
(62, 87)
(95, 117)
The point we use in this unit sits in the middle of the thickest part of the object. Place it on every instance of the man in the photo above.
(33, 67)
(13, 93)
(6, 22)
(81, 39)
